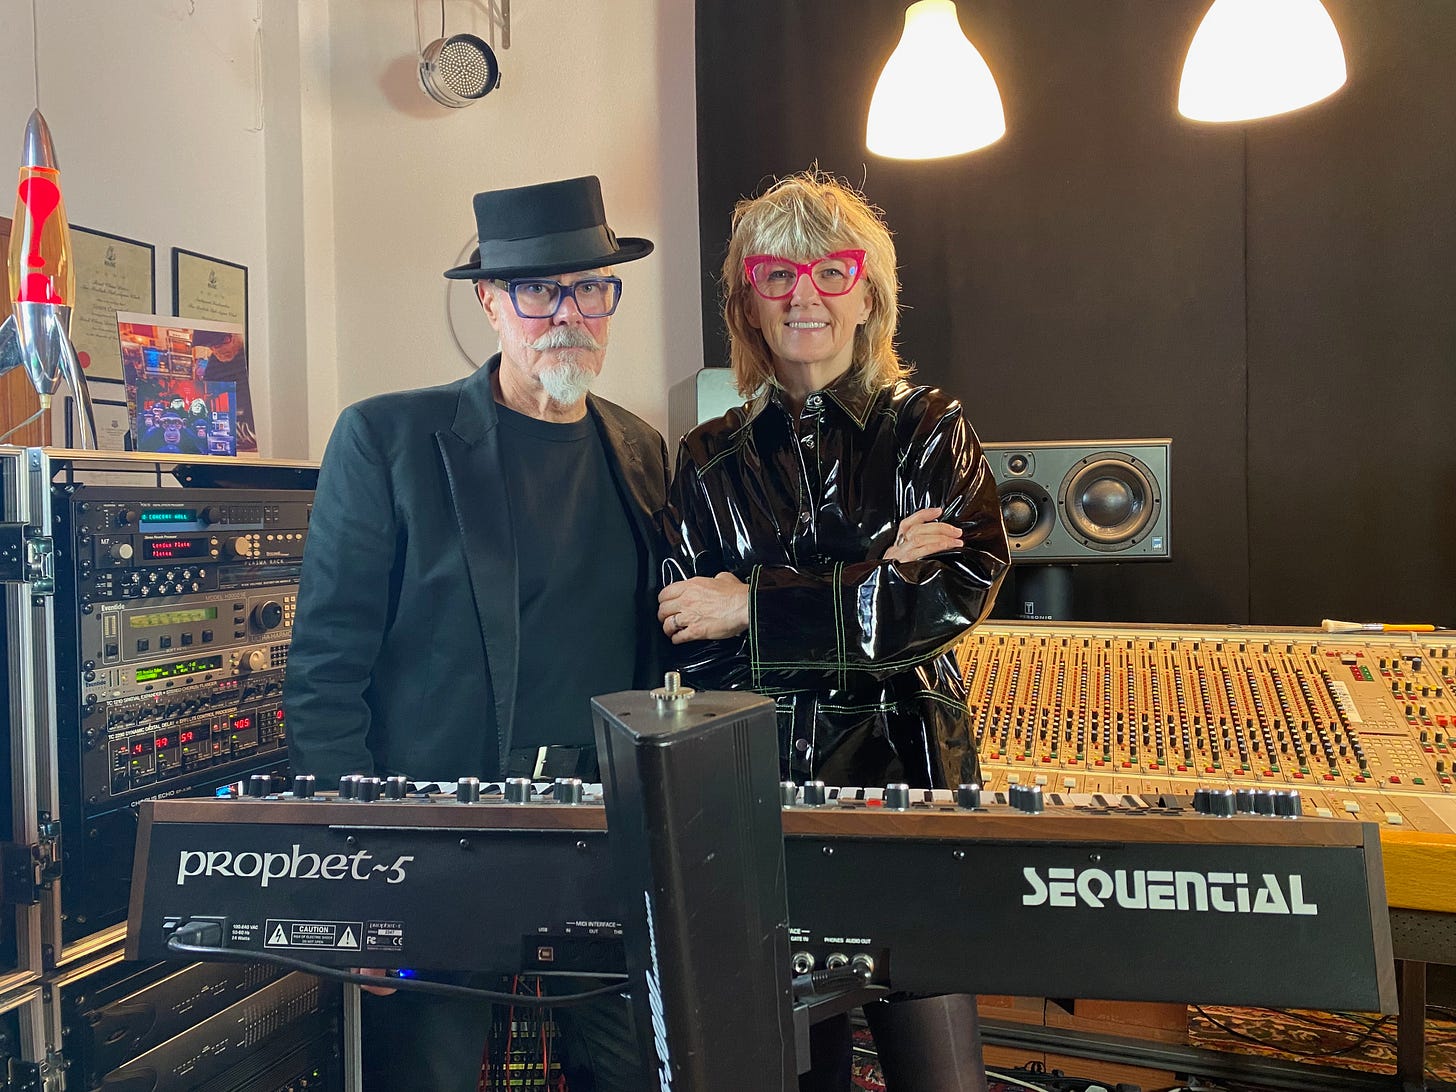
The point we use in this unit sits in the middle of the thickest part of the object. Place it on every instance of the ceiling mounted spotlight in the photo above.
(460, 69)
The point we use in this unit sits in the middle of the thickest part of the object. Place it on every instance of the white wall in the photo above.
(586, 88)
(292, 136)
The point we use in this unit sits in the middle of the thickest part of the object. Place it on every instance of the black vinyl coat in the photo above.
(857, 652)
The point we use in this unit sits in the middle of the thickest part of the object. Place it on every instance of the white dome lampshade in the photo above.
(1257, 58)
(936, 96)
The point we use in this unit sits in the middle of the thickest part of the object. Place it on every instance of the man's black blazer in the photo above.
(406, 633)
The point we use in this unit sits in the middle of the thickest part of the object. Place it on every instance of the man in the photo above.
(481, 562)
(223, 358)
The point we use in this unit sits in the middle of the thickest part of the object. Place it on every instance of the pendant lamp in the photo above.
(1257, 58)
(936, 96)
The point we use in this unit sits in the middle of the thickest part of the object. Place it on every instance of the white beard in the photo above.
(567, 383)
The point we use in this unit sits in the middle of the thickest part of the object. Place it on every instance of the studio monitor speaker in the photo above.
(1067, 501)
(707, 394)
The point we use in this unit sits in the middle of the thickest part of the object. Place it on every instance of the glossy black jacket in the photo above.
(857, 652)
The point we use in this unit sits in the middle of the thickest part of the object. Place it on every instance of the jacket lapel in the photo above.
(471, 457)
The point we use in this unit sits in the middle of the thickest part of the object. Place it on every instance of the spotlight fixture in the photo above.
(1256, 58)
(460, 69)
(936, 96)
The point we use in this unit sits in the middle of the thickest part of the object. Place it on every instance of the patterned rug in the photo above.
(1345, 1040)
(1357, 1041)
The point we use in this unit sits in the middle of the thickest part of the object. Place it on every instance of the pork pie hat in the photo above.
(551, 227)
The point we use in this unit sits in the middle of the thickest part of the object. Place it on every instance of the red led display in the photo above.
(186, 737)
(165, 549)
(242, 724)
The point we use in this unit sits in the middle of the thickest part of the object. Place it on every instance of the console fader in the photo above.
(1360, 725)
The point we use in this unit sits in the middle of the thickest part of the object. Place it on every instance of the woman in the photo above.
(835, 537)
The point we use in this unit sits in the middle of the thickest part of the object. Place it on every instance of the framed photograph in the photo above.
(186, 384)
(214, 290)
(113, 273)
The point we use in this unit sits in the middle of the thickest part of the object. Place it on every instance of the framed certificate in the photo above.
(209, 288)
(113, 273)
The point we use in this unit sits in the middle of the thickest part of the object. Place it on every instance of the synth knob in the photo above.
(349, 787)
(241, 546)
(788, 794)
(1032, 801)
(1221, 803)
(1287, 803)
(210, 515)
(816, 795)
(1201, 801)
(267, 615)
(567, 790)
(897, 796)
(1244, 801)
(518, 790)
(259, 785)
(255, 660)
(1014, 794)
(968, 796)
(1263, 802)
(369, 789)
(303, 786)
(121, 551)
(467, 790)
(396, 787)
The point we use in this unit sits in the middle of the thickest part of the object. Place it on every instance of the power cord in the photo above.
(184, 939)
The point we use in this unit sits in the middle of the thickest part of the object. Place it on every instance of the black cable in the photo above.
(415, 985)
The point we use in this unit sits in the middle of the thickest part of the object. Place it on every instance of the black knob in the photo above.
(567, 790)
(1263, 802)
(259, 785)
(1244, 800)
(518, 790)
(1201, 802)
(815, 794)
(968, 796)
(210, 515)
(1221, 803)
(267, 615)
(1032, 801)
(1287, 803)
(396, 787)
(349, 787)
(467, 790)
(303, 786)
(369, 788)
(897, 796)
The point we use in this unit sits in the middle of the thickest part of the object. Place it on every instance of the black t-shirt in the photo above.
(578, 566)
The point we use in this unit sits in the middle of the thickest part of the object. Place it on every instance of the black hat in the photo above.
(553, 227)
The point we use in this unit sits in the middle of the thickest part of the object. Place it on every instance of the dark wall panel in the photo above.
(1086, 276)
(1352, 332)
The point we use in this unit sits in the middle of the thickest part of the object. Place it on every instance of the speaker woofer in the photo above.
(1028, 512)
(1109, 500)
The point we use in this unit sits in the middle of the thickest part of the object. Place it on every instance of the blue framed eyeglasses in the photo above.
(595, 297)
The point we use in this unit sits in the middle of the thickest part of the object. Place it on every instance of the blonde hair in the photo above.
(803, 217)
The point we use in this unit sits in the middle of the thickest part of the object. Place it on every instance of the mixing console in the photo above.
(1360, 725)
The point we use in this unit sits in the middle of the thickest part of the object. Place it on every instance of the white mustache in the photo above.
(565, 337)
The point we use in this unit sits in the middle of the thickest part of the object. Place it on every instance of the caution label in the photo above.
(340, 936)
